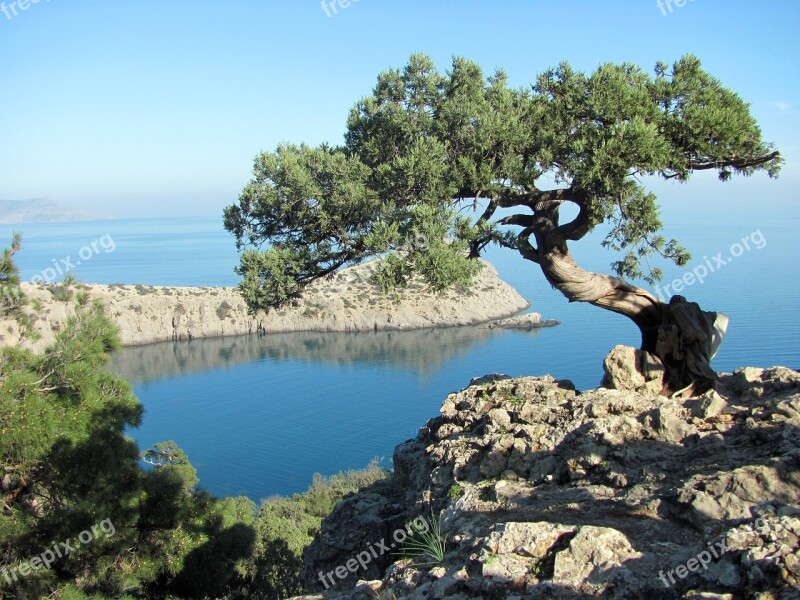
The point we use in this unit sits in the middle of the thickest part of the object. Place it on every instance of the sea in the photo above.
(258, 416)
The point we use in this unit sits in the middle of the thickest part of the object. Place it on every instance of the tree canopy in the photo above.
(445, 157)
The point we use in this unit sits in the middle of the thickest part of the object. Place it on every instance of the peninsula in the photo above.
(43, 210)
(346, 301)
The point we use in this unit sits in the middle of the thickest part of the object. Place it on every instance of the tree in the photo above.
(11, 296)
(425, 146)
(66, 464)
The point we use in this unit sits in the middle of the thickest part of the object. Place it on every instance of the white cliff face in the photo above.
(347, 301)
(545, 492)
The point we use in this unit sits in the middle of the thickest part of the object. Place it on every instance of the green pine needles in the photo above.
(464, 161)
(11, 295)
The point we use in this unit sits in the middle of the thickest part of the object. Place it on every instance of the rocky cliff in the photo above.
(347, 301)
(542, 491)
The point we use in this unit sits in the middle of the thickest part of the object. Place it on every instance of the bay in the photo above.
(259, 415)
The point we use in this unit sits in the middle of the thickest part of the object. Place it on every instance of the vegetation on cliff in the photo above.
(546, 492)
(80, 516)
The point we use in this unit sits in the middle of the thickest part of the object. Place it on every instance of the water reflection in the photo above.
(259, 415)
(423, 351)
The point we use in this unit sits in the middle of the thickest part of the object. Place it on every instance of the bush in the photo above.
(224, 310)
(63, 419)
(285, 526)
(64, 291)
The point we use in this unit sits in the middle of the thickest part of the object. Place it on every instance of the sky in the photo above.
(157, 108)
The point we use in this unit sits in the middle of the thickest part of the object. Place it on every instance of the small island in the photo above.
(346, 301)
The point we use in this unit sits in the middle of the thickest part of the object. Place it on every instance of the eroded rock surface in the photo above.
(545, 492)
(348, 300)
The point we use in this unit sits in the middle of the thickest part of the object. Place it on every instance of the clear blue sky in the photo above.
(152, 108)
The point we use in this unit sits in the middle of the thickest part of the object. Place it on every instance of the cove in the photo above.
(259, 415)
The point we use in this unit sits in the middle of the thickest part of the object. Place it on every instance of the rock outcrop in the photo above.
(628, 368)
(526, 321)
(346, 301)
(542, 491)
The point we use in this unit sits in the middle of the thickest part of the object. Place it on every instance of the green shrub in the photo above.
(144, 290)
(285, 526)
(455, 491)
(64, 421)
(64, 292)
(224, 310)
(11, 296)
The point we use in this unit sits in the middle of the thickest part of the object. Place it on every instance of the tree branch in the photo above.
(575, 229)
(521, 220)
(317, 274)
(558, 195)
(525, 247)
(477, 245)
(734, 162)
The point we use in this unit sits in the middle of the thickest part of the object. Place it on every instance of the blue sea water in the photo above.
(259, 415)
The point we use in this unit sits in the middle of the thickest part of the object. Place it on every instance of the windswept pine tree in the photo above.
(463, 161)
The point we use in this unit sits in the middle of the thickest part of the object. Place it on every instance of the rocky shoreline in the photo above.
(542, 491)
(524, 322)
(347, 302)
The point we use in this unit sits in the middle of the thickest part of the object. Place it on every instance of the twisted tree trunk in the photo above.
(679, 333)
(682, 336)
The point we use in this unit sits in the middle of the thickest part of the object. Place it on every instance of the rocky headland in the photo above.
(543, 491)
(43, 210)
(346, 301)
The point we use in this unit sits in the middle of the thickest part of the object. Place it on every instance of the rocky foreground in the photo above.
(546, 492)
(347, 301)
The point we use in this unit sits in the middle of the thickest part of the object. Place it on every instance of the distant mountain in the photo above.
(42, 210)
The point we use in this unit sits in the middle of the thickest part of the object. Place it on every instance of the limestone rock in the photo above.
(629, 369)
(545, 492)
(347, 301)
(595, 556)
(527, 321)
(490, 378)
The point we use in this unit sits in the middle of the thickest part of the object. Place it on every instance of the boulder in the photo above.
(627, 368)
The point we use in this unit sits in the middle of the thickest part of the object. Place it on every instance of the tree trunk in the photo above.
(680, 334)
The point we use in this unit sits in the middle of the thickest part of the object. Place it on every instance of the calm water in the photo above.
(258, 416)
